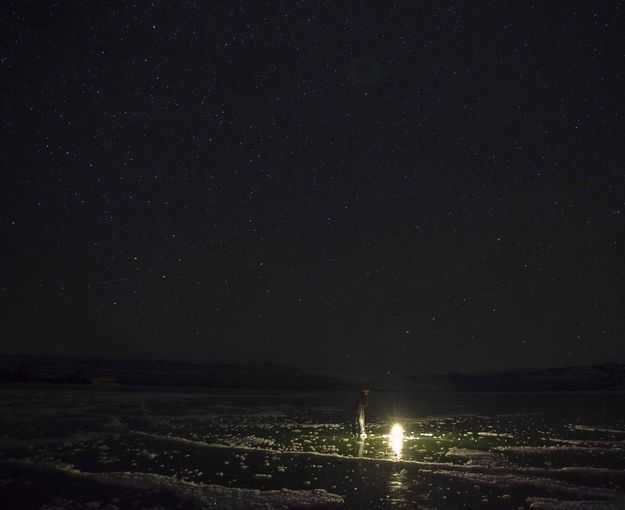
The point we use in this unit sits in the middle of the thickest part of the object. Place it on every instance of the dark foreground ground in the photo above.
(73, 447)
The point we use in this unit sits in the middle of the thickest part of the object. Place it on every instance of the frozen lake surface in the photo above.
(106, 447)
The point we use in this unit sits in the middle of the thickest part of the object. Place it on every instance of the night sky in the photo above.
(351, 188)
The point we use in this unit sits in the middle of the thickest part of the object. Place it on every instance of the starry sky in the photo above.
(346, 187)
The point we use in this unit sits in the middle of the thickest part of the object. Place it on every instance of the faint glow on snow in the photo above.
(396, 439)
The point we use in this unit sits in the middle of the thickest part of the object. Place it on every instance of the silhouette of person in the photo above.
(358, 421)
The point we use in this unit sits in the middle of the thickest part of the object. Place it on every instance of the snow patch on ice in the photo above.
(475, 456)
(261, 476)
(225, 497)
(202, 495)
(495, 434)
(588, 428)
(548, 450)
(70, 504)
(557, 504)
(253, 442)
(511, 481)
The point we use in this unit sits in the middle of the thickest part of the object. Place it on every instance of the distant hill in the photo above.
(605, 377)
(26, 368)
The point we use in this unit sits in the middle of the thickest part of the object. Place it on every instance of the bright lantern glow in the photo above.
(396, 439)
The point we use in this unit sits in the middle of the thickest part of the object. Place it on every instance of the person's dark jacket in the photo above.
(360, 403)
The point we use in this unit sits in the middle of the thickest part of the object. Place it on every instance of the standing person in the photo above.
(358, 422)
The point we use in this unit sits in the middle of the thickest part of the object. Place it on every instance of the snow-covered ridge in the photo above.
(606, 377)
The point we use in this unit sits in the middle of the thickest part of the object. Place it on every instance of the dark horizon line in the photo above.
(307, 369)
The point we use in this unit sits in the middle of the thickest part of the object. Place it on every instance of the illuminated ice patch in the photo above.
(396, 439)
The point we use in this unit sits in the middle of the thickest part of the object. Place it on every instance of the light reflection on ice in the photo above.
(396, 439)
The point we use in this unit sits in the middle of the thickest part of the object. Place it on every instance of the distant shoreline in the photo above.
(18, 369)
(161, 373)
